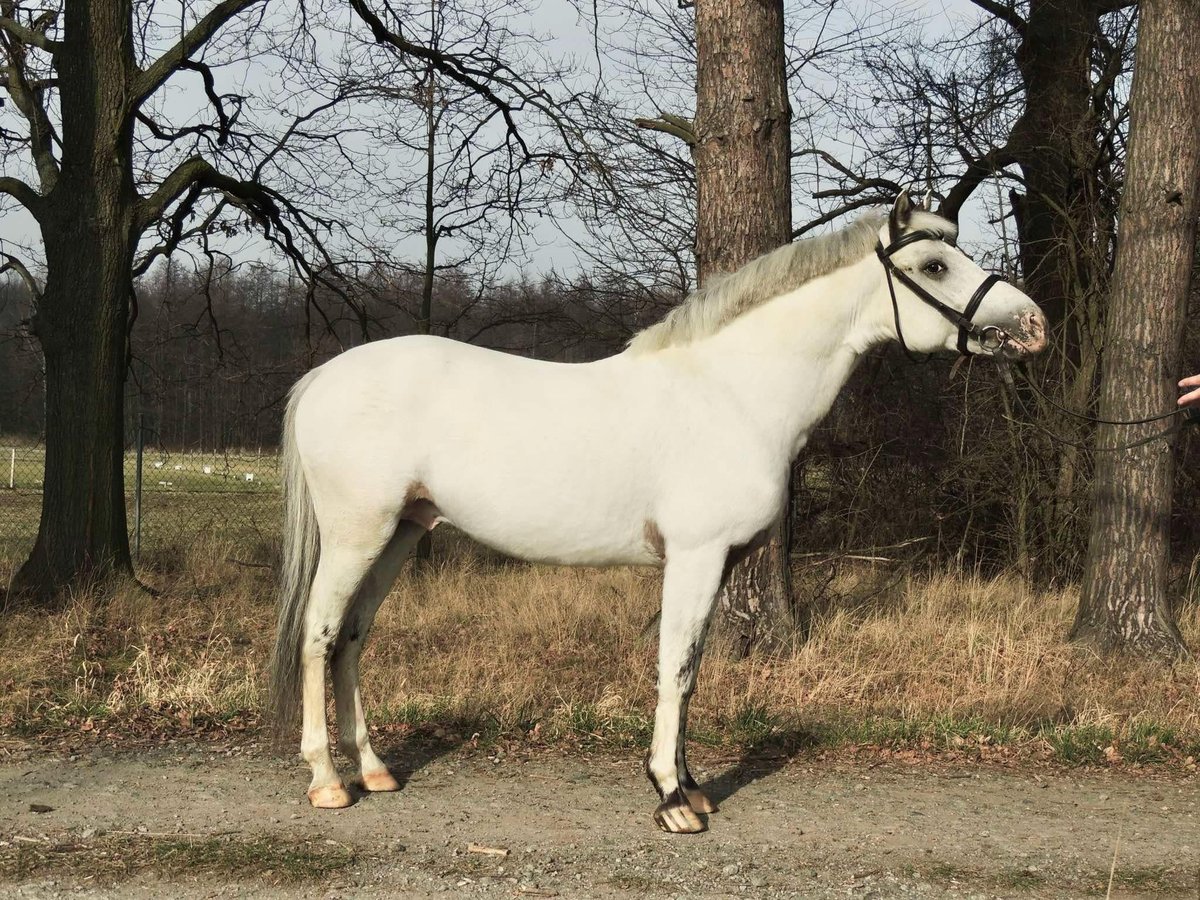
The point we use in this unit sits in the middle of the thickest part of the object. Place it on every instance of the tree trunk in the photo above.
(1055, 143)
(83, 318)
(1124, 603)
(424, 549)
(743, 186)
(1063, 225)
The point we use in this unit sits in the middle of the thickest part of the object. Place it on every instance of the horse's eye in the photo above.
(934, 267)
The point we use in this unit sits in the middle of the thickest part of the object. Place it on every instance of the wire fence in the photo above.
(173, 500)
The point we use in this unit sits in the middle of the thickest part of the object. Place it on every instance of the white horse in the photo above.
(674, 453)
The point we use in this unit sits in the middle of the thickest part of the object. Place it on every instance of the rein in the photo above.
(990, 337)
(1192, 417)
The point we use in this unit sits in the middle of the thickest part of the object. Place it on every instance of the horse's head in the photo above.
(941, 300)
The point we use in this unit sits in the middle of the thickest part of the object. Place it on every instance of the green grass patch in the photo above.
(255, 857)
(586, 720)
(1078, 744)
(113, 858)
(1150, 742)
(752, 723)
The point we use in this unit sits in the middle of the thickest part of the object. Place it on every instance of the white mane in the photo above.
(725, 297)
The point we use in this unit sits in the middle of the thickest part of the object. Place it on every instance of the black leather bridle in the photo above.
(990, 337)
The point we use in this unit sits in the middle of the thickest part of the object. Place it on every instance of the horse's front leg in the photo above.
(690, 585)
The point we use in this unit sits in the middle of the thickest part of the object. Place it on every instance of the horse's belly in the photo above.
(557, 541)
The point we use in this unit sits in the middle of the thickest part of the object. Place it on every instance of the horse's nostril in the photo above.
(1033, 324)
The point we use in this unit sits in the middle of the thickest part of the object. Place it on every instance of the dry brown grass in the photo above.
(474, 643)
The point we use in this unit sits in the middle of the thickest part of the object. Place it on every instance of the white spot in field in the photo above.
(178, 467)
(249, 476)
(208, 470)
(158, 465)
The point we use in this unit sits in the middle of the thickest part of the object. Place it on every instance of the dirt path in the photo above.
(203, 823)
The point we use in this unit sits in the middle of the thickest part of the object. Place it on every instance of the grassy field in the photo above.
(186, 497)
(163, 471)
(475, 645)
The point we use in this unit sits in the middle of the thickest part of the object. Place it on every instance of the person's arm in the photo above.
(1192, 398)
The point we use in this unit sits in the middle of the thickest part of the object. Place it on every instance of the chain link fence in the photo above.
(174, 500)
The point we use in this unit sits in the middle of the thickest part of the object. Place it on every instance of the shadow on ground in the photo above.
(407, 754)
(760, 759)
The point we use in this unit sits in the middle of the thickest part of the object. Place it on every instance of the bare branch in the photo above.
(181, 179)
(31, 36)
(978, 170)
(22, 193)
(1006, 12)
(452, 67)
(12, 264)
(27, 95)
(210, 90)
(841, 210)
(152, 78)
(676, 126)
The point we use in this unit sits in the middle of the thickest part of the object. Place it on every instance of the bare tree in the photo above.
(77, 88)
(1124, 603)
(458, 181)
(114, 185)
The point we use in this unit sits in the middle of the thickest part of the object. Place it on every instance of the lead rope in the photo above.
(1192, 416)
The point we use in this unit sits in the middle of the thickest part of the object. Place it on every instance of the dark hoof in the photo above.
(676, 816)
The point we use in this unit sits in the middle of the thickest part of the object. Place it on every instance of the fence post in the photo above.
(12, 468)
(137, 490)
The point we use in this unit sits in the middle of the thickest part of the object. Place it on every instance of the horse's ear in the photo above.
(901, 213)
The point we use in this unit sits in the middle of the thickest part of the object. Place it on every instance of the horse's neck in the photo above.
(788, 359)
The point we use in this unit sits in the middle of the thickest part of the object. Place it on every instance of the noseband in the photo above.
(990, 337)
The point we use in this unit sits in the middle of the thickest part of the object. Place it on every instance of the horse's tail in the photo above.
(301, 551)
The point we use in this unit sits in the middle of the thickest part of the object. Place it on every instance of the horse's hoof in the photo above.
(331, 796)
(380, 781)
(676, 816)
(699, 801)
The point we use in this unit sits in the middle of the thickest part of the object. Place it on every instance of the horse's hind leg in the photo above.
(342, 568)
(353, 739)
(690, 585)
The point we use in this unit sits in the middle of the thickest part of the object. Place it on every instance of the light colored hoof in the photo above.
(699, 801)
(675, 816)
(378, 782)
(331, 796)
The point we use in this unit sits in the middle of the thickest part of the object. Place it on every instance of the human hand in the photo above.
(1191, 398)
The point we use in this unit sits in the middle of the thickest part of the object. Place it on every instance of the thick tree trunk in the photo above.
(1124, 604)
(1063, 225)
(743, 186)
(83, 318)
(1055, 142)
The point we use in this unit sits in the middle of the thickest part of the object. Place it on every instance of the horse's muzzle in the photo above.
(1028, 338)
